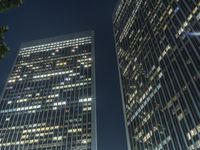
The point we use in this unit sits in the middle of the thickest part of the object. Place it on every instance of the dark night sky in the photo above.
(38, 19)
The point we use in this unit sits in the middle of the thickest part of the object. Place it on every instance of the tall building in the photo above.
(157, 44)
(48, 102)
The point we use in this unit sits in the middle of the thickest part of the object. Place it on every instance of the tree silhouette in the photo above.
(5, 5)
(8, 4)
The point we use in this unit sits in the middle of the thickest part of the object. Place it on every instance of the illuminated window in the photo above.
(57, 138)
(85, 100)
(9, 102)
(7, 119)
(74, 130)
(59, 103)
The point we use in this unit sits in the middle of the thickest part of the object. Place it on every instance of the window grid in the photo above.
(158, 60)
(43, 117)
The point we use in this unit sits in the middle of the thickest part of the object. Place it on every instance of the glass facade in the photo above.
(48, 102)
(158, 52)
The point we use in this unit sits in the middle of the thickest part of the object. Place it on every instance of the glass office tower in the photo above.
(158, 51)
(48, 102)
